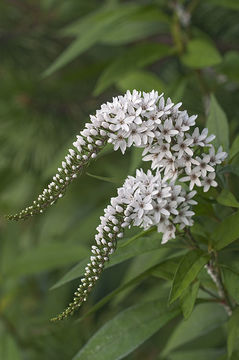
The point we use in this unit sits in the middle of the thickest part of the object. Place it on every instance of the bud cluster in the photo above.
(108, 232)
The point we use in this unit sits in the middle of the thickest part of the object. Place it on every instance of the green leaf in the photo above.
(124, 24)
(201, 53)
(234, 169)
(134, 248)
(132, 281)
(187, 270)
(235, 147)
(217, 124)
(231, 281)
(140, 80)
(226, 232)
(136, 57)
(231, 4)
(188, 299)
(204, 318)
(226, 198)
(167, 268)
(233, 332)
(91, 32)
(130, 31)
(45, 258)
(197, 354)
(148, 20)
(124, 333)
(230, 65)
(8, 347)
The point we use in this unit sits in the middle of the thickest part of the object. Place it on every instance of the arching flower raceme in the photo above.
(181, 158)
(144, 200)
(142, 120)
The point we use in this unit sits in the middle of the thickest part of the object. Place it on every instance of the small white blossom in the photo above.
(209, 181)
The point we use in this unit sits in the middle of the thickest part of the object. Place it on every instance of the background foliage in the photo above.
(59, 61)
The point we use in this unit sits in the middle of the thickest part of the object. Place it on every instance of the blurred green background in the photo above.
(59, 61)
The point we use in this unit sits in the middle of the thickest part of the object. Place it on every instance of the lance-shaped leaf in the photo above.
(124, 333)
(233, 333)
(203, 320)
(226, 198)
(226, 232)
(187, 270)
(217, 124)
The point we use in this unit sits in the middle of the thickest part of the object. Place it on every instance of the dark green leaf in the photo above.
(8, 347)
(197, 354)
(227, 198)
(45, 258)
(235, 147)
(204, 318)
(226, 232)
(231, 4)
(201, 53)
(132, 282)
(139, 56)
(124, 333)
(217, 124)
(231, 281)
(91, 31)
(134, 248)
(140, 80)
(233, 332)
(167, 268)
(230, 65)
(130, 31)
(187, 270)
(188, 299)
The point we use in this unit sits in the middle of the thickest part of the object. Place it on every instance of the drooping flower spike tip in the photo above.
(146, 200)
(142, 120)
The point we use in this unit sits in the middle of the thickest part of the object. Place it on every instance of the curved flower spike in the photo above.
(145, 200)
(142, 120)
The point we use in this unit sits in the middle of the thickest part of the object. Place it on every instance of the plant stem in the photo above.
(209, 292)
(214, 273)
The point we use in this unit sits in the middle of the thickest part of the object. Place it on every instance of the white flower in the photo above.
(182, 146)
(184, 216)
(193, 176)
(186, 161)
(157, 153)
(217, 158)
(180, 126)
(141, 204)
(189, 197)
(167, 130)
(159, 209)
(134, 135)
(176, 194)
(118, 141)
(169, 233)
(209, 181)
(203, 166)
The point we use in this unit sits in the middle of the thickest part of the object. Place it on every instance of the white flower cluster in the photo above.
(178, 152)
(142, 120)
(153, 200)
(168, 135)
(145, 200)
